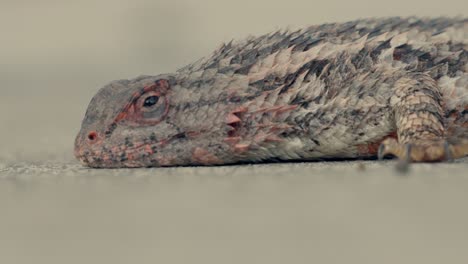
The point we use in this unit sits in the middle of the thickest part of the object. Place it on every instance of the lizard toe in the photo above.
(420, 151)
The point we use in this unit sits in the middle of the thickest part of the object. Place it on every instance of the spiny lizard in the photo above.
(361, 89)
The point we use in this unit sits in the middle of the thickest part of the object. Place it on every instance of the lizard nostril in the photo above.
(92, 136)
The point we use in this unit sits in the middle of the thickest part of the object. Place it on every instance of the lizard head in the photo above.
(149, 121)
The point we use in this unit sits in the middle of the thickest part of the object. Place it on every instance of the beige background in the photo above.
(54, 55)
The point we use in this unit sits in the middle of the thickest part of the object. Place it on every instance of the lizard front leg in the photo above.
(420, 121)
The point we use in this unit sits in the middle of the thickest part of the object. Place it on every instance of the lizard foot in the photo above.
(420, 151)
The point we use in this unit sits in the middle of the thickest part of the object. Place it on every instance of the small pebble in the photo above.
(402, 167)
(361, 166)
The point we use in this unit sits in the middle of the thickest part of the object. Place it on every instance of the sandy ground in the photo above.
(333, 212)
(54, 55)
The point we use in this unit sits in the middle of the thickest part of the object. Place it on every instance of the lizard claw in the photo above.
(404, 164)
(448, 152)
(392, 147)
(381, 152)
(419, 151)
(403, 152)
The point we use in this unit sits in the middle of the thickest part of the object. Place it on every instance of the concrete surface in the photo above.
(54, 55)
(334, 212)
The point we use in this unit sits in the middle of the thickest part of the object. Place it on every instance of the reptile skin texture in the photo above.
(363, 89)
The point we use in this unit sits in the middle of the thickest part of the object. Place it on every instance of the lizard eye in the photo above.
(151, 107)
(150, 101)
(147, 108)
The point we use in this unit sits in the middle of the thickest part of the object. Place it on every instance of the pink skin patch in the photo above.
(202, 156)
(263, 137)
(240, 148)
(285, 109)
(193, 134)
(267, 109)
(148, 149)
(372, 148)
(240, 109)
(273, 138)
(164, 161)
(231, 119)
(232, 140)
(278, 128)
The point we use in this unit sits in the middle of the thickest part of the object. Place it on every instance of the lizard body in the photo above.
(328, 91)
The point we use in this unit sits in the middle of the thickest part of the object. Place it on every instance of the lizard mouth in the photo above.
(139, 154)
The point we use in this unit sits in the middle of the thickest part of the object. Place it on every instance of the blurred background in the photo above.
(55, 55)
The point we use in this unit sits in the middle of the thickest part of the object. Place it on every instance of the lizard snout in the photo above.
(85, 146)
(92, 136)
